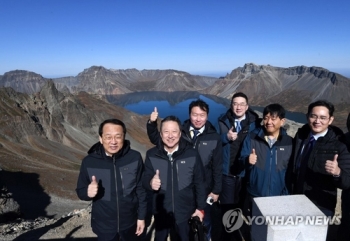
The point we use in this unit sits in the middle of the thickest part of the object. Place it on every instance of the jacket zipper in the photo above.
(172, 180)
(116, 189)
(172, 184)
(271, 156)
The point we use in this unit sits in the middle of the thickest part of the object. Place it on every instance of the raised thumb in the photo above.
(253, 151)
(155, 109)
(157, 174)
(335, 157)
(93, 179)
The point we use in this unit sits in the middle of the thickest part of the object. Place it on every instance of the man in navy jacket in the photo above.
(110, 177)
(265, 155)
(234, 125)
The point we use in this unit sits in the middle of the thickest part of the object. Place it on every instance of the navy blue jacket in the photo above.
(231, 149)
(121, 199)
(267, 177)
(182, 190)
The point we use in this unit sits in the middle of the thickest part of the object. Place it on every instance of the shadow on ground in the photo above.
(37, 233)
(27, 192)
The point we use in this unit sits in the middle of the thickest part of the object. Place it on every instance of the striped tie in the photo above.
(195, 134)
(238, 126)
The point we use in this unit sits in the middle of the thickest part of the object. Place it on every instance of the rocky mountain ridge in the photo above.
(101, 81)
(260, 82)
(264, 82)
(293, 87)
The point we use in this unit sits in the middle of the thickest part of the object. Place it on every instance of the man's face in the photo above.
(272, 124)
(319, 119)
(170, 134)
(198, 117)
(239, 106)
(112, 138)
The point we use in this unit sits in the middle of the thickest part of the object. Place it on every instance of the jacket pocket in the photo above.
(128, 175)
(185, 169)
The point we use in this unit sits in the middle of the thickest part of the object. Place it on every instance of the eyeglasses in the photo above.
(239, 104)
(321, 118)
(115, 138)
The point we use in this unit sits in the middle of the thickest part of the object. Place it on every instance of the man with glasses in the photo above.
(321, 163)
(234, 125)
(110, 177)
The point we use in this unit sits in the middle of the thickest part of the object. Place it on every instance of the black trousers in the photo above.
(124, 235)
(165, 225)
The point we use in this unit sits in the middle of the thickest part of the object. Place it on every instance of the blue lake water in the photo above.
(176, 103)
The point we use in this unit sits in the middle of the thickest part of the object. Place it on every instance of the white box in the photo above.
(287, 218)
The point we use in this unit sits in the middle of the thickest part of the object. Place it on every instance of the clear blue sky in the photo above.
(57, 38)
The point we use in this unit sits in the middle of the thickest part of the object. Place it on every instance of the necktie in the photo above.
(307, 150)
(302, 163)
(170, 156)
(195, 134)
(238, 126)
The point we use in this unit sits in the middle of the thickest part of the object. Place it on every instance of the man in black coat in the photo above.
(202, 136)
(321, 162)
(110, 177)
(174, 172)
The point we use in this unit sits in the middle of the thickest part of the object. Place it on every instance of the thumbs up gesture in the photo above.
(231, 134)
(332, 166)
(93, 187)
(154, 115)
(253, 157)
(155, 181)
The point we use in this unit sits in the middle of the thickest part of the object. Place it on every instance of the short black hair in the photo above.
(170, 118)
(239, 94)
(201, 104)
(324, 103)
(114, 122)
(275, 109)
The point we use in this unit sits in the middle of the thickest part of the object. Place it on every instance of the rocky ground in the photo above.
(70, 225)
(66, 225)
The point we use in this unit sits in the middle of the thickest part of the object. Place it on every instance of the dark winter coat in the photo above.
(231, 149)
(121, 199)
(319, 186)
(208, 144)
(182, 190)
